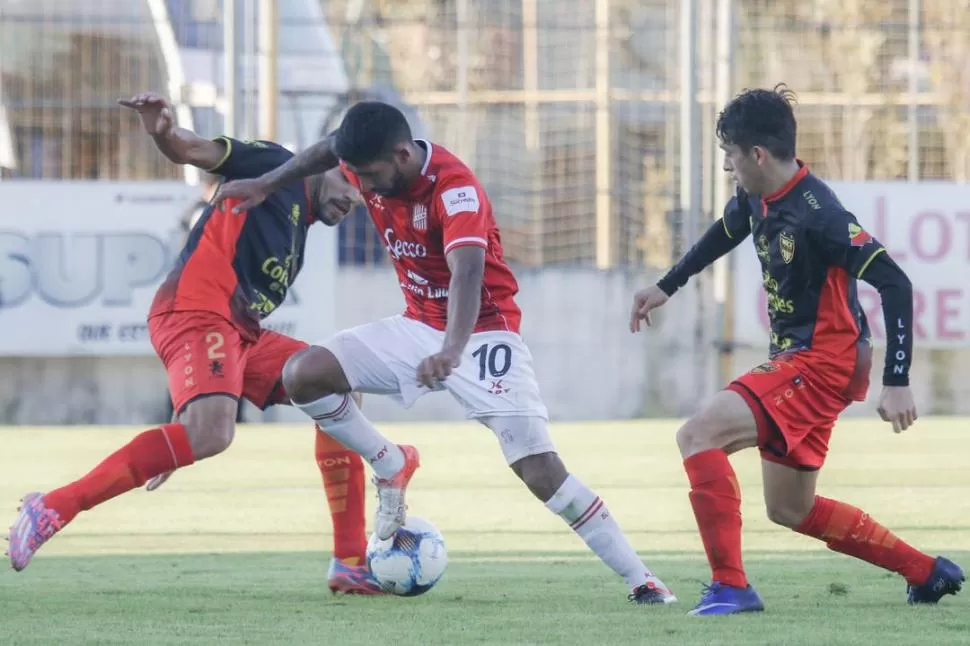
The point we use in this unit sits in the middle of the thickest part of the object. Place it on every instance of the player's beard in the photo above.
(399, 185)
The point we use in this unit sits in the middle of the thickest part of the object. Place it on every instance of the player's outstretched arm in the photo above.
(467, 267)
(896, 404)
(179, 145)
(318, 158)
(715, 242)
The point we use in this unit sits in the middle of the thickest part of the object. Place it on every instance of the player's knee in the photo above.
(725, 423)
(313, 373)
(699, 433)
(786, 513)
(543, 474)
(210, 435)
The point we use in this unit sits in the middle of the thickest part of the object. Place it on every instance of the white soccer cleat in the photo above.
(391, 505)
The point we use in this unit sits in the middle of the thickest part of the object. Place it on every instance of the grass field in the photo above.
(234, 550)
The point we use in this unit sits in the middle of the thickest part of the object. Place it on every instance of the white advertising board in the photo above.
(925, 228)
(80, 262)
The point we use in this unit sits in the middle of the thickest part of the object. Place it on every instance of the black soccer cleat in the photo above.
(652, 592)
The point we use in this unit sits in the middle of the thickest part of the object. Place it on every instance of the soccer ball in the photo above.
(411, 562)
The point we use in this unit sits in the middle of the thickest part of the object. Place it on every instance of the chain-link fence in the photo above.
(567, 110)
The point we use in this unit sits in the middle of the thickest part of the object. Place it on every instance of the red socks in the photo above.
(342, 471)
(149, 454)
(851, 531)
(716, 499)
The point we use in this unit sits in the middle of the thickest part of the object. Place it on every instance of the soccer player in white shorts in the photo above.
(460, 331)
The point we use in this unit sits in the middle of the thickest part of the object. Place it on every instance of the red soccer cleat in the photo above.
(352, 579)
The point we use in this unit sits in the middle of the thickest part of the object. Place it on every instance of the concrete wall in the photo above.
(575, 320)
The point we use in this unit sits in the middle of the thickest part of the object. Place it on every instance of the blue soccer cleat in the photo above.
(719, 599)
(946, 578)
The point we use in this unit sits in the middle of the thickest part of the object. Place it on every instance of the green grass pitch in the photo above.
(234, 550)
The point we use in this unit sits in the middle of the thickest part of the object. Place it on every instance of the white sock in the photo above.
(340, 417)
(588, 516)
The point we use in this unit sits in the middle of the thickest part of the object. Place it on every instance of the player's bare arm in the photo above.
(179, 145)
(318, 158)
(467, 267)
(896, 404)
(715, 243)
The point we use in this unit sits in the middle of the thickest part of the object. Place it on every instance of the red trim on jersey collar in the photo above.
(784, 190)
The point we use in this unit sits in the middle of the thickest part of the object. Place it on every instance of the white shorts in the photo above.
(495, 378)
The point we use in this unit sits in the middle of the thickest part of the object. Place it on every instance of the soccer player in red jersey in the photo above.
(459, 332)
(812, 251)
(235, 270)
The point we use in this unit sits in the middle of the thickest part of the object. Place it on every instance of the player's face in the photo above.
(384, 176)
(339, 196)
(745, 168)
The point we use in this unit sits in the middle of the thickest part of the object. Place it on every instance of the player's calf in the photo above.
(147, 455)
(318, 385)
(532, 457)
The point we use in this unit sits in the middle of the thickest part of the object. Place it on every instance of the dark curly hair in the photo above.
(369, 131)
(762, 118)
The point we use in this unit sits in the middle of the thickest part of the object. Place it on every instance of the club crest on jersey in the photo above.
(858, 237)
(786, 244)
(419, 217)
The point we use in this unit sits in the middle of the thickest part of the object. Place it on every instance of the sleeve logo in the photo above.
(858, 237)
(463, 199)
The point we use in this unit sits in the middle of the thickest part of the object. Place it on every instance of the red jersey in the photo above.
(241, 266)
(445, 208)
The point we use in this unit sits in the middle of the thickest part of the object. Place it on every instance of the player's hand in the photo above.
(896, 406)
(436, 368)
(249, 193)
(154, 110)
(158, 481)
(643, 302)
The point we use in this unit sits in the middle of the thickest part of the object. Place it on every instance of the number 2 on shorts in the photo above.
(493, 361)
(214, 341)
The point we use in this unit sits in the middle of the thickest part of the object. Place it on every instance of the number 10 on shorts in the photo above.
(494, 361)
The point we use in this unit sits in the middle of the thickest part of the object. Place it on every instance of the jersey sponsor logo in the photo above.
(419, 217)
(787, 247)
(417, 279)
(425, 291)
(463, 199)
(403, 248)
(761, 246)
(279, 272)
(858, 237)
